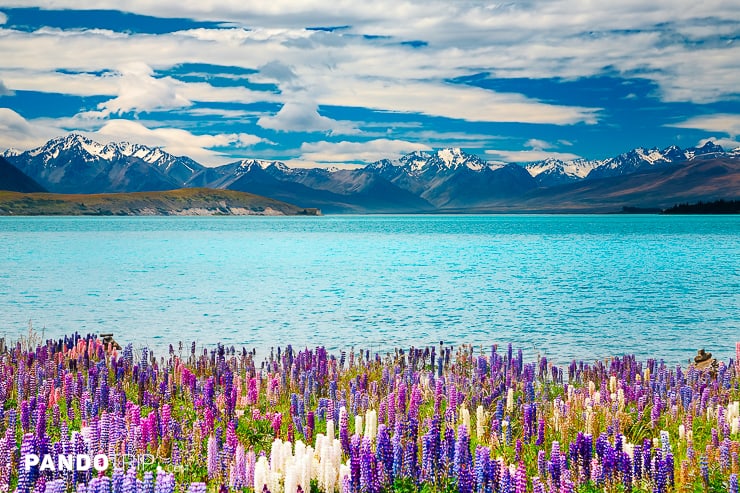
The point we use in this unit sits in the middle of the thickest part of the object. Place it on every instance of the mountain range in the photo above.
(423, 181)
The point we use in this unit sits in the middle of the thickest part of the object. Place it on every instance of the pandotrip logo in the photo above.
(70, 462)
(85, 462)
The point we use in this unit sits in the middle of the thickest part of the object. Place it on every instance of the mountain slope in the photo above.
(336, 195)
(14, 180)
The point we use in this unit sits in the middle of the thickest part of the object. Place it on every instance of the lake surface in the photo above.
(584, 287)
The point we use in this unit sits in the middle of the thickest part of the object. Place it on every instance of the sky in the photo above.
(347, 82)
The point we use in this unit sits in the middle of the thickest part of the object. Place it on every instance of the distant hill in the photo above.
(183, 202)
(716, 207)
(14, 180)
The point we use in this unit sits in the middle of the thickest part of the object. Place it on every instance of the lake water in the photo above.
(584, 287)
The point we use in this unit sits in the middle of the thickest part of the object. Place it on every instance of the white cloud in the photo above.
(220, 112)
(537, 144)
(139, 91)
(297, 116)
(329, 153)
(529, 156)
(3, 18)
(538, 150)
(17, 132)
(725, 123)
(453, 101)
(726, 143)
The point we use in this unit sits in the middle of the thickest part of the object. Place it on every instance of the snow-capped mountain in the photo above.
(452, 178)
(179, 167)
(224, 176)
(556, 172)
(76, 164)
(553, 172)
(442, 160)
(444, 179)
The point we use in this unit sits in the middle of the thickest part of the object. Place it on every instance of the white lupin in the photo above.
(371, 424)
(306, 469)
(261, 469)
(291, 480)
(480, 422)
(465, 418)
(358, 424)
(287, 455)
(629, 449)
(510, 400)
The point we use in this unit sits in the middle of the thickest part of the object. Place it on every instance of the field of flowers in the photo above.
(435, 419)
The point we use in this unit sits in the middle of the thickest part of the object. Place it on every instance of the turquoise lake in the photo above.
(585, 287)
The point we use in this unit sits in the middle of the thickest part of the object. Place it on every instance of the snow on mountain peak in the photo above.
(450, 158)
(572, 169)
(11, 152)
(247, 164)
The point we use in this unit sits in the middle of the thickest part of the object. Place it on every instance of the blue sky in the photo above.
(316, 83)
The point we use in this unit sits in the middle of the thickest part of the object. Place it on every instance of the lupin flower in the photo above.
(384, 452)
(214, 468)
(344, 429)
(197, 487)
(462, 451)
(520, 479)
(27, 476)
(367, 467)
(148, 483)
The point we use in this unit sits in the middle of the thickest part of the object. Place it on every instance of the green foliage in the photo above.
(257, 433)
(404, 485)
